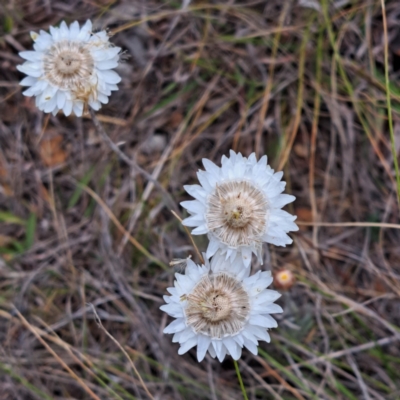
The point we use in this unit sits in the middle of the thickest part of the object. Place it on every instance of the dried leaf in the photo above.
(51, 151)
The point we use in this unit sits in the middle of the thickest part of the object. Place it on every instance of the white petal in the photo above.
(268, 295)
(33, 56)
(272, 309)
(112, 86)
(251, 280)
(233, 348)
(202, 346)
(102, 98)
(105, 54)
(212, 248)
(195, 191)
(201, 230)
(210, 166)
(64, 31)
(249, 336)
(259, 333)
(186, 335)
(173, 309)
(282, 200)
(85, 32)
(30, 69)
(203, 179)
(55, 32)
(78, 108)
(277, 241)
(187, 345)
(74, 30)
(246, 256)
(61, 98)
(67, 107)
(96, 105)
(193, 206)
(109, 76)
(194, 220)
(50, 105)
(212, 352)
(29, 92)
(175, 326)
(28, 81)
(107, 64)
(265, 321)
(252, 159)
(251, 346)
(220, 349)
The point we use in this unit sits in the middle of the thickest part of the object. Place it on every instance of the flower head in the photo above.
(239, 206)
(220, 309)
(69, 68)
(284, 279)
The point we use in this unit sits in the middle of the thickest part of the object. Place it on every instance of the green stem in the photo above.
(240, 380)
(389, 105)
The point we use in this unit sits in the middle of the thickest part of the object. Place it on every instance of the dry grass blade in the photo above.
(388, 101)
(128, 160)
(189, 236)
(97, 198)
(56, 356)
(349, 224)
(100, 325)
(85, 202)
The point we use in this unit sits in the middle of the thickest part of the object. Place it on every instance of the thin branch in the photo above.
(100, 325)
(100, 130)
(190, 236)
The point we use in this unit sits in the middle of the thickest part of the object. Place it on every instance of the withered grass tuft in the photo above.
(301, 81)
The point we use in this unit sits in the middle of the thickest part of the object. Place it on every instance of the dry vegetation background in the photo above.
(300, 81)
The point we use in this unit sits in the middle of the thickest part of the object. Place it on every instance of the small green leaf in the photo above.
(79, 189)
(9, 218)
(30, 231)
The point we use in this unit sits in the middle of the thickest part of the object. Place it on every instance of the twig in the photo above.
(350, 350)
(190, 236)
(54, 354)
(275, 395)
(120, 227)
(98, 321)
(129, 161)
(355, 224)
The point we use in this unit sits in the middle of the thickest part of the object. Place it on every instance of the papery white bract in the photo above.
(69, 68)
(239, 206)
(220, 308)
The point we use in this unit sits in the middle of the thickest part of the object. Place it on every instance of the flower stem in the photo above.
(240, 380)
(389, 105)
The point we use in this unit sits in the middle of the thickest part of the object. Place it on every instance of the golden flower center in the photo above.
(237, 213)
(218, 306)
(69, 65)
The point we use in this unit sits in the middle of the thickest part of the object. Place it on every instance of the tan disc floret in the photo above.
(69, 65)
(218, 306)
(237, 213)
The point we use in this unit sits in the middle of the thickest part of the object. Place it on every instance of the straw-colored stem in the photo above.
(190, 236)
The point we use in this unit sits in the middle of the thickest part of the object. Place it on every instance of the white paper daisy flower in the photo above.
(239, 206)
(220, 309)
(69, 68)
